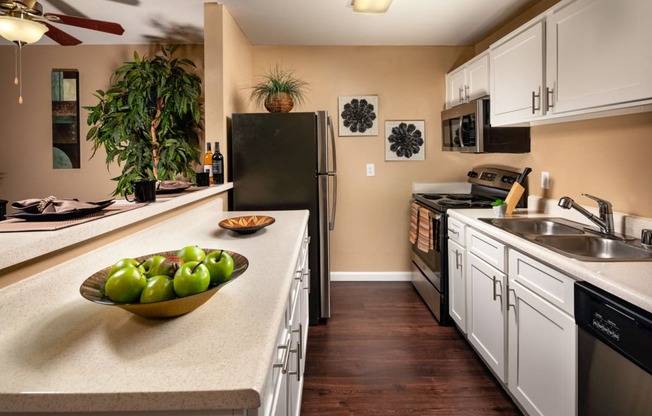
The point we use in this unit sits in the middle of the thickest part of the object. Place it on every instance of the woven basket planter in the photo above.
(279, 103)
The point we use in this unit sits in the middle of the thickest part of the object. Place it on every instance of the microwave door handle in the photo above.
(461, 131)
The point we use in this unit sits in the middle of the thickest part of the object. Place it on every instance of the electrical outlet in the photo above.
(371, 169)
(545, 180)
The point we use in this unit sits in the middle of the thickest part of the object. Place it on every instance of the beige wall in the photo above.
(26, 132)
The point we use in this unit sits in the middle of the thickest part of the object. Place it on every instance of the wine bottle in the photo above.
(218, 165)
(208, 162)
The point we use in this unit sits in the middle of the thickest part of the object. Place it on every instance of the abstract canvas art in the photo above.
(358, 115)
(405, 140)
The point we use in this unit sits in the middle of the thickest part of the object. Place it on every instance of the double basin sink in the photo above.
(572, 239)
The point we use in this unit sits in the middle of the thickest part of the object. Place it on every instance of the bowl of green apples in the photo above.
(165, 284)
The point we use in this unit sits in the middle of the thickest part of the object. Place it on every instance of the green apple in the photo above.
(125, 285)
(158, 288)
(169, 266)
(150, 265)
(193, 277)
(191, 253)
(122, 263)
(220, 265)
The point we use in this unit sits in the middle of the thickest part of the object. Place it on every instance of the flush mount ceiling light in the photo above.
(370, 6)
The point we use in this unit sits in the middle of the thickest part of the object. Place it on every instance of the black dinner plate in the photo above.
(62, 216)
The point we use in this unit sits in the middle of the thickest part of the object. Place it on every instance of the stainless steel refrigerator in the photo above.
(287, 161)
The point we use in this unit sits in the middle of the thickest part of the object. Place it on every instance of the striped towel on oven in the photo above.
(414, 223)
(425, 239)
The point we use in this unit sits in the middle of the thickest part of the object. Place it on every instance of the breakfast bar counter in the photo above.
(62, 353)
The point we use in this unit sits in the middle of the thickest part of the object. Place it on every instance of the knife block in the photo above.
(513, 197)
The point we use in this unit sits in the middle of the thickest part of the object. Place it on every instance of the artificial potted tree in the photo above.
(149, 119)
(278, 90)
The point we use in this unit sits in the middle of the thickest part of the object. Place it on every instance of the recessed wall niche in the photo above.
(65, 119)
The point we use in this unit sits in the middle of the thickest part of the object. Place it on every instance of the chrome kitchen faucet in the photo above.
(606, 220)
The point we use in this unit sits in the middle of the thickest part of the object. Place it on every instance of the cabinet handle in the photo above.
(283, 365)
(466, 92)
(300, 331)
(459, 93)
(534, 97)
(508, 304)
(457, 233)
(549, 97)
(458, 264)
(308, 286)
(298, 372)
(496, 295)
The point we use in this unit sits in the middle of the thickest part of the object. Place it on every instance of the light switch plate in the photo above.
(545, 180)
(371, 169)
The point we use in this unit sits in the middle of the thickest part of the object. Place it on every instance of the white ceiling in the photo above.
(293, 22)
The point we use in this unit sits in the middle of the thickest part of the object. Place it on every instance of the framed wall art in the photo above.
(405, 140)
(358, 115)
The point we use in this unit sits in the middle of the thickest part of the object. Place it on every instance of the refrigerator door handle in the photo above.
(331, 224)
(330, 127)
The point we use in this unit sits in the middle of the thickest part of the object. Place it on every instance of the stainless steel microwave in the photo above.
(467, 128)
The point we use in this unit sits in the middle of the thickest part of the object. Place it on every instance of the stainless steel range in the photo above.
(429, 267)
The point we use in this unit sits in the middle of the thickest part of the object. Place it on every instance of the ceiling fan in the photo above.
(23, 21)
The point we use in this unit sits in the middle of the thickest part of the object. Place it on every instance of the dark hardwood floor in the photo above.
(383, 353)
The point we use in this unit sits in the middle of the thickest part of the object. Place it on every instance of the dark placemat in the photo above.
(14, 225)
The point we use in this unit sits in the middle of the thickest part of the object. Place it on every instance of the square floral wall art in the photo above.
(405, 140)
(358, 115)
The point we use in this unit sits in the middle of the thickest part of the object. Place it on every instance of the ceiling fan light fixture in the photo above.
(20, 30)
(370, 6)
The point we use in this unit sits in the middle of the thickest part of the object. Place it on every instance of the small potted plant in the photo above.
(278, 90)
(500, 208)
(149, 119)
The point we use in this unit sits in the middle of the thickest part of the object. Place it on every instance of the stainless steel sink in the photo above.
(589, 247)
(536, 226)
(571, 239)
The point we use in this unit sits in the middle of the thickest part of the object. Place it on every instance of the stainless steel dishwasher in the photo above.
(614, 354)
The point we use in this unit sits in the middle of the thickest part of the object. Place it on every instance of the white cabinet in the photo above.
(486, 300)
(468, 82)
(598, 53)
(285, 380)
(579, 59)
(456, 273)
(516, 68)
(542, 338)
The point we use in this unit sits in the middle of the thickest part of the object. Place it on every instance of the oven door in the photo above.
(426, 269)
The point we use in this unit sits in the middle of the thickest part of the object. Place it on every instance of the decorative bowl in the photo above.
(93, 289)
(248, 224)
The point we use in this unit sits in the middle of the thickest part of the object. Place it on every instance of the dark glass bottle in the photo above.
(218, 166)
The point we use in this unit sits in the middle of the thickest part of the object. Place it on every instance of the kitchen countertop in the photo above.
(631, 281)
(24, 246)
(60, 352)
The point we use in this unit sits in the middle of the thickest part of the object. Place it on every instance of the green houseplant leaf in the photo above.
(149, 119)
(275, 81)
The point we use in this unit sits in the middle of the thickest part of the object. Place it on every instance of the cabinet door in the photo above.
(599, 54)
(457, 284)
(542, 349)
(486, 317)
(516, 71)
(477, 77)
(455, 82)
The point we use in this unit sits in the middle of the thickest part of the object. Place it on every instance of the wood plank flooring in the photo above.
(383, 353)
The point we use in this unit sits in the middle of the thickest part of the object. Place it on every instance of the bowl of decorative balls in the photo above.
(164, 284)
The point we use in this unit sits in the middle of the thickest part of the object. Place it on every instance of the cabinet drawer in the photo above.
(551, 285)
(456, 231)
(486, 248)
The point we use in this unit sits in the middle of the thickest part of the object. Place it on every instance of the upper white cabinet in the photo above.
(468, 82)
(517, 76)
(598, 54)
(580, 58)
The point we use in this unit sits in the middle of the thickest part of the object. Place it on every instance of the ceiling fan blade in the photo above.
(128, 2)
(66, 8)
(92, 24)
(61, 37)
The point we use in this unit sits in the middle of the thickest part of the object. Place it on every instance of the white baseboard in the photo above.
(370, 276)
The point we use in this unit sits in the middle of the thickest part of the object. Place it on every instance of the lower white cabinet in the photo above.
(457, 284)
(542, 339)
(519, 319)
(285, 387)
(486, 313)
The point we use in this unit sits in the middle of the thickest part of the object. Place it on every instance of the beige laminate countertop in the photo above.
(631, 281)
(60, 352)
(24, 246)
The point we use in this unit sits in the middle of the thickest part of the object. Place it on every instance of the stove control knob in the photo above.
(508, 179)
(472, 174)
